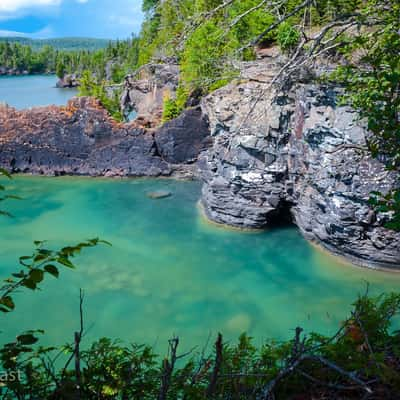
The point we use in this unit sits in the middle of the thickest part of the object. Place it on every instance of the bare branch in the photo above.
(217, 367)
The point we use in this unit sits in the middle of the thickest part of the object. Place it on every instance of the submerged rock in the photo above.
(159, 194)
(295, 151)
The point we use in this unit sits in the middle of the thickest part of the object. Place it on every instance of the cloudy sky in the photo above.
(62, 18)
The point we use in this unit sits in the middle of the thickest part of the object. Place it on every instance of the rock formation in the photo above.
(68, 81)
(295, 151)
(144, 90)
(82, 139)
(273, 153)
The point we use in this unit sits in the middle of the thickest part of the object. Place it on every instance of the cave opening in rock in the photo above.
(282, 216)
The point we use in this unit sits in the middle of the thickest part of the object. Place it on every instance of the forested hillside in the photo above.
(64, 44)
(114, 60)
(207, 36)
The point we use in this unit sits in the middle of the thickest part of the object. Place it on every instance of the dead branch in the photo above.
(168, 368)
(76, 352)
(78, 338)
(217, 367)
(299, 355)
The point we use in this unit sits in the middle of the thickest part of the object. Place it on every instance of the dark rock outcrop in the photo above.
(295, 151)
(184, 138)
(82, 139)
(68, 81)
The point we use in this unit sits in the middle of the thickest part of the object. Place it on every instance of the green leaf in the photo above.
(36, 275)
(28, 283)
(52, 270)
(8, 302)
(65, 261)
(27, 339)
(5, 173)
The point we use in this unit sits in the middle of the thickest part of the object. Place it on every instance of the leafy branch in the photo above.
(36, 266)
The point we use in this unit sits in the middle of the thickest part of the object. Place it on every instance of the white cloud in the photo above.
(45, 32)
(9, 6)
(4, 33)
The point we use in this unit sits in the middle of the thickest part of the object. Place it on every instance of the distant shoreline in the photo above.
(11, 72)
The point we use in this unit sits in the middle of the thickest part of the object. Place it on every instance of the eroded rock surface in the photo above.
(145, 90)
(82, 139)
(295, 151)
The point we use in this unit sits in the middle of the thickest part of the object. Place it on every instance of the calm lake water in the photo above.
(30, 91)
(168, 271)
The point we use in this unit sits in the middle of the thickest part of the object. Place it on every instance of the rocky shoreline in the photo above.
(264, 155)
(81, 139)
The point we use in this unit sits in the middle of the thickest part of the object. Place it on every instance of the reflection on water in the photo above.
(169, 271)
(33, 90)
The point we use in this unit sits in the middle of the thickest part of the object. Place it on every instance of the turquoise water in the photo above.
(168, 272)
(31, 91)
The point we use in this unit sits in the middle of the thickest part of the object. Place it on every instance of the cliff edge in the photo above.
(294, 151)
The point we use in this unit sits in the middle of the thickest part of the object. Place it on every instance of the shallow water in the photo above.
(33, 90)
(168, 272)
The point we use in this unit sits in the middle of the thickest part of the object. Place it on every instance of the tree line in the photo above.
(112, 62)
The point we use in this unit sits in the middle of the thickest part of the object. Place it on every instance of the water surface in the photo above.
(33, 90)
(168, 272)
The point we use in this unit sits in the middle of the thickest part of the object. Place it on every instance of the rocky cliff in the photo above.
(82, 139)
(273, 154)
(295, 152)
(144, 91)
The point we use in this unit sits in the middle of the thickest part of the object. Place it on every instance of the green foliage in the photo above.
(149, 5)
(61, 44)
(390, 204)
(60, 70)
(35, 267)
(205, 60)
(3, 194)
(170, 109)
(287, 36)
(122, 55)
(253, 24)
(90, 86)
(365, 348)
(372, 86)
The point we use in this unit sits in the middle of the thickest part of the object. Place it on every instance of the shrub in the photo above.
(170, 108)
(287, 36)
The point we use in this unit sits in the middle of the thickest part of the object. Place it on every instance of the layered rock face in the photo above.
(295, 152)
(145, 90)
(81, 139)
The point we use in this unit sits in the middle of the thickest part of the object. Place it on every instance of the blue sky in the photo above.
(61, 18)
